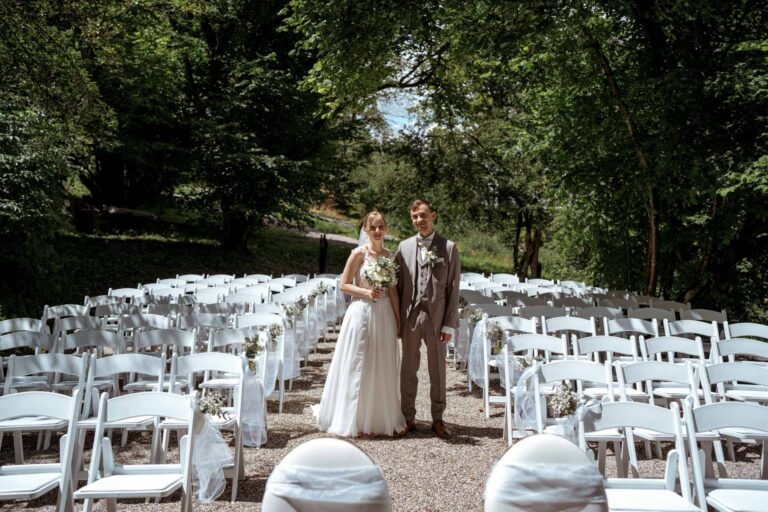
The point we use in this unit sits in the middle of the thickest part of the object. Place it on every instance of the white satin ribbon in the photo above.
(327, 489)
(546, 487)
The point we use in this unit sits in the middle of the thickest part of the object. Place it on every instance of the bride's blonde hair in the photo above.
(368, 218)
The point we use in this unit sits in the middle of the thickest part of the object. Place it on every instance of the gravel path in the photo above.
(423, 472)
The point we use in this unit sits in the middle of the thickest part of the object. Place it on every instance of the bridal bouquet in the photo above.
(382, 274)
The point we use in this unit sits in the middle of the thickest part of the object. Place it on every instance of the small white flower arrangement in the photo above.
(252, 347)
(322, 288)
(432, 259)
(564, 402)
(475, 315)
(275, 331)
(382, 273)
(495, 335)
(522, 363)
(212, 404)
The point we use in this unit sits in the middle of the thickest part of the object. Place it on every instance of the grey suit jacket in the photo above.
(443, 288)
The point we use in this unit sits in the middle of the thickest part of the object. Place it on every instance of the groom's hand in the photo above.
(445, 337)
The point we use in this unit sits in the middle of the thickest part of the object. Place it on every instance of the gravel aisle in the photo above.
(423, 472)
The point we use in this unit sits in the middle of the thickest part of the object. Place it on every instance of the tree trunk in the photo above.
(634, 135)
(516, 246)
(236, 227)
(653, 243)
(536, 245)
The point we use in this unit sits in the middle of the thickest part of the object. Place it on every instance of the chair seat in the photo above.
(598, 392)
(647, 500)
(27, 486)
(137, 423)
(747, 395)
(32, 423)
(738, 500)
(150, 485)
(675, 393)
(608, 434)
(746, 434)
(151, 385)
(220, 383)
(216, 421)
(68, 385)
(651, 435)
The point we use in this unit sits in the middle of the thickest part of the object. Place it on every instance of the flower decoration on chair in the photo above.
(212, 404)
(275, 331)
(312, 296)
(252, 347)
(495, 335)
(382, 273)
(475, 315)
(524, 362)
(322, 288)
(301, 304)
(564, 402)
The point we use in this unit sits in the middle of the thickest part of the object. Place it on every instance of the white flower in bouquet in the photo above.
(524, 362)
(475, 315)
(275, 331)
(564, 401)
(212, 403)
(381, 274)
(322, 288)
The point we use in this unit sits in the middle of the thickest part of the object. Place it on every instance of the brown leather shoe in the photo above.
(440, 429)
(410, 426)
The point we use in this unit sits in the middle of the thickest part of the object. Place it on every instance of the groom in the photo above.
(428, 287)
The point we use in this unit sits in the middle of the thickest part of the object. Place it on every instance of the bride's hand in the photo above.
(374, 294)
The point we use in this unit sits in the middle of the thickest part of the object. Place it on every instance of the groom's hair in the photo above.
(418, 202)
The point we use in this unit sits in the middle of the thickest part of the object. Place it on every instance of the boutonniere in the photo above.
(432, 258)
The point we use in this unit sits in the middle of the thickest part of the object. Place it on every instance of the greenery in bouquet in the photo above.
(252, 347)
(301, 304)
(564, 401)
(475, 315)
(522, 363)
(312, 296)
(275, 331)
(322, 288)
(212, 403)
(382, 273)
(495, 335)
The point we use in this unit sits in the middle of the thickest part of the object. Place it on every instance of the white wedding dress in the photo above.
(362, 390)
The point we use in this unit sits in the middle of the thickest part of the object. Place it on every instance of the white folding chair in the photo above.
(645, 494)
(30, 481)
(124, 481)
(727, 494)
(608, 349)
(46, 364)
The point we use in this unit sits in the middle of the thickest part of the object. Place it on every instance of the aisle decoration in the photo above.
(211, 453)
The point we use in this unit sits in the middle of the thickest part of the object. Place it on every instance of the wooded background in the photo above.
(623, 143)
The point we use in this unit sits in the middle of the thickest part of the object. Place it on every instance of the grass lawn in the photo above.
(91, 264)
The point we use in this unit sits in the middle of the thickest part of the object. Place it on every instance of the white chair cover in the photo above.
(463, 340)
(254, 408)
(546, 487)
(316, 489)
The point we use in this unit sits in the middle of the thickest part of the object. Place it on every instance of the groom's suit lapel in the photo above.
(414, 260)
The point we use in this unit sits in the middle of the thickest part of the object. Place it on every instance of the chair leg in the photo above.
(648, 454)
(124, 439)
(111, 505)
(18, 448)
(618, 450)
(601, 449)
(47, 440)
(731, 451)
(282, 396)
(764, 461)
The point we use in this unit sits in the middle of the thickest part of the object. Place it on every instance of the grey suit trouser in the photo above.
(418, 328)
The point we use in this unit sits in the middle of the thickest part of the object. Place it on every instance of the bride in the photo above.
(361, 393)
